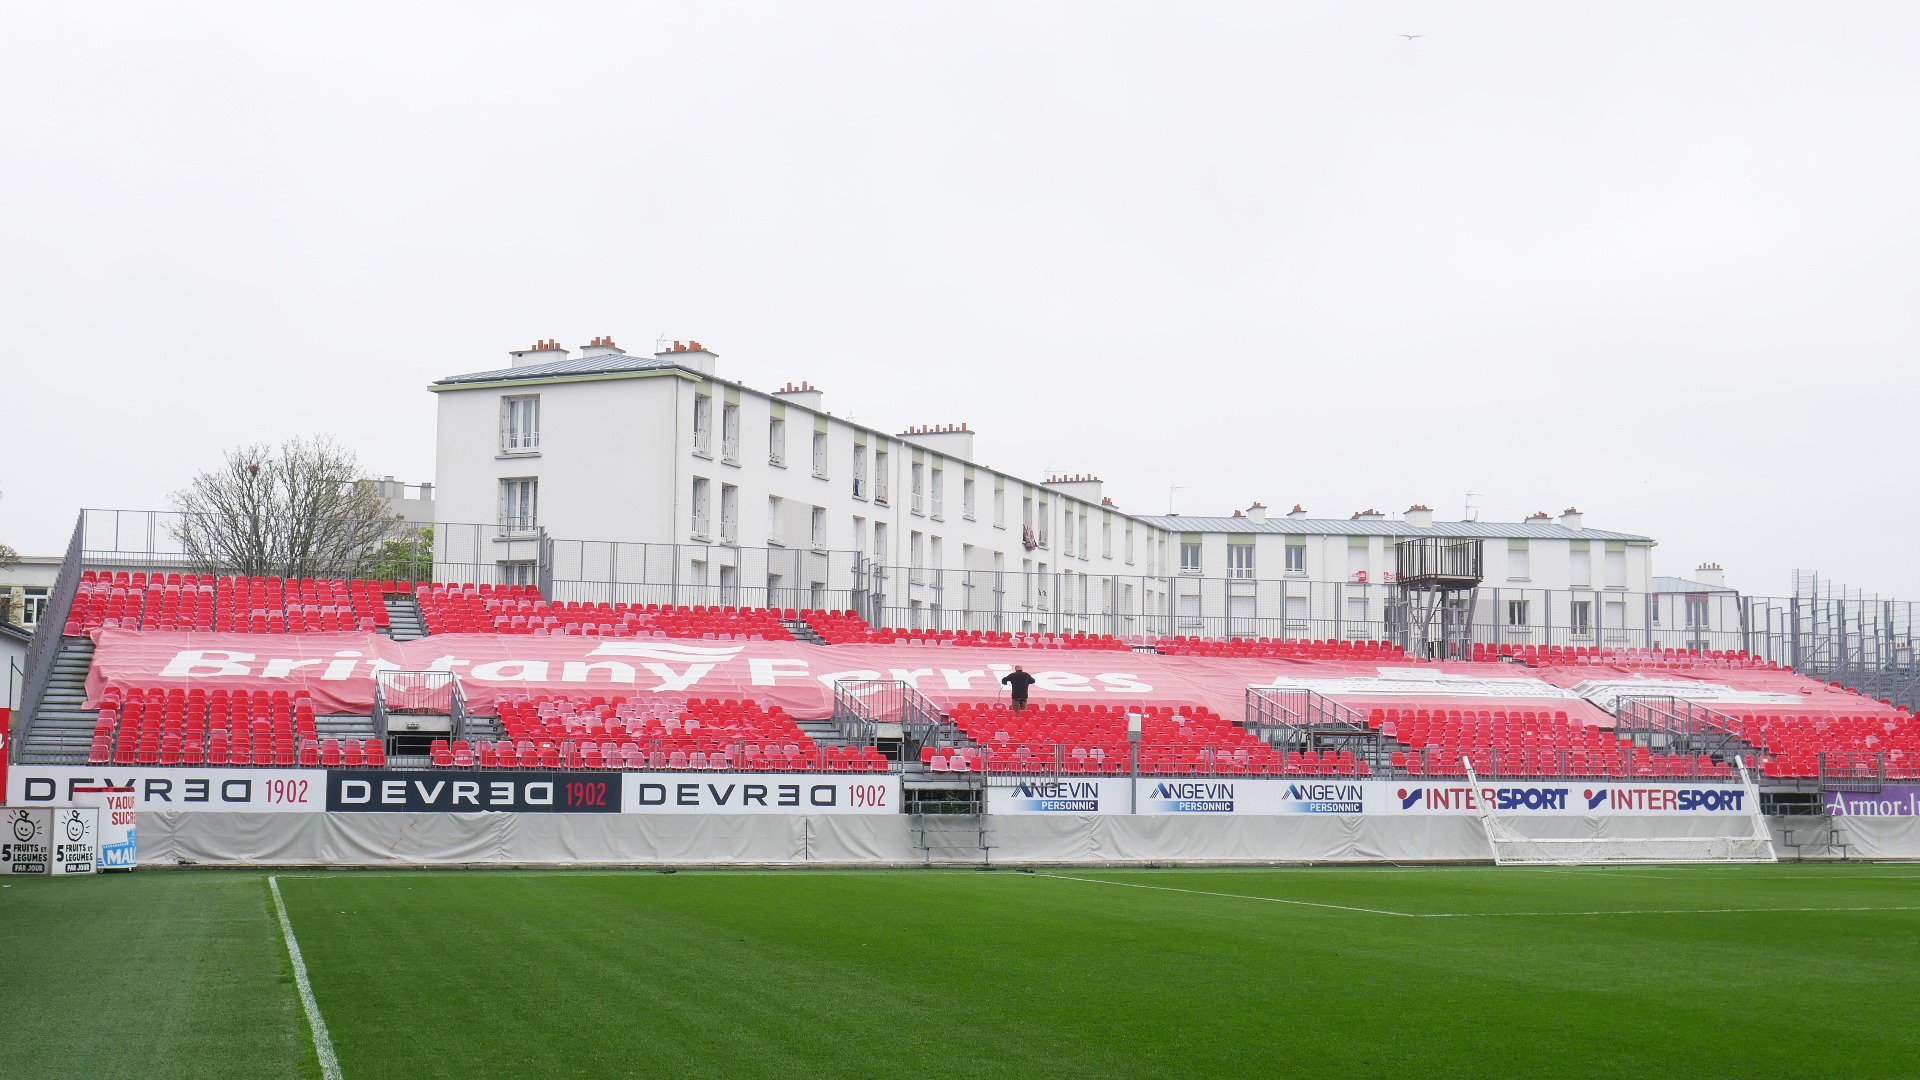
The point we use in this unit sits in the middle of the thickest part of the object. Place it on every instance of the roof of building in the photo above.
(1386, 527)
(1680, 584)
(604, 364)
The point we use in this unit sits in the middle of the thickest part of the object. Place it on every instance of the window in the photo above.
(1517, 561)
(1696, 611)
(820, 454)
(703, 424)
(1616, 569)
(730, 432)
(777, 441)
(880, 542)
(519, 504)
(729, 514)
(1656, 609)
(702, 507)
(776, 519)
(916, 557)
(999, 504)
(1358, 549)
(819, 530)
(1240, 560)
(520, 424)
(1189, 558)
(1066, 533)
(1040, 530)
(1086, 536)
(966, 498)
(1106, 538)
(938, 493)
(917, 493)
(1614, 617)
(859, 534)
(1580, 568)
(33, 604)
(880, 481)
(1582, 614)
(1296, 557)
(1517, 613)
(936, 555)
(1296, 613)
(1129, 543)
(518, 572)
(860, 470)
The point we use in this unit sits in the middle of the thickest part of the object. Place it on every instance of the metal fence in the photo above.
(418, 693)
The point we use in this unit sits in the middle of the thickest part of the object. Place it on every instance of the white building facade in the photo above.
(664, 482)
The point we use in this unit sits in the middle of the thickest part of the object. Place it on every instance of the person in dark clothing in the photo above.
(1018, 681)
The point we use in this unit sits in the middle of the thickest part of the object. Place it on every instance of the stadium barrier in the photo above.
(174, 838)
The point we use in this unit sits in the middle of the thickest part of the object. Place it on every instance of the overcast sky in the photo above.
(1658, 261)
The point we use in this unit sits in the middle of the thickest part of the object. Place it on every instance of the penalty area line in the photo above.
(1653, 911)
(322, 1042)
(1231, 896)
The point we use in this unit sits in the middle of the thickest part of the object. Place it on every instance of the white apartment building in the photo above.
(757, 497)
(1294, 574)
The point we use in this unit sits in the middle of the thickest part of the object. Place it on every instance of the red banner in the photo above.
(338, 671)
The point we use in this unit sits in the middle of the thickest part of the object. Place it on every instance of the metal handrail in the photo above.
(45, 647)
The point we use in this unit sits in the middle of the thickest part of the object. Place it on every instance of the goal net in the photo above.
(1736, 838)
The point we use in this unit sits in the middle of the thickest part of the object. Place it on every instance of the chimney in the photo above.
(1420, 517)
(1710, 573)
(1570, 518)
(1082, 486)
(947, 440)
(1297, 513)
(687, 354)
(1257, 513)
(1539, 517)
(801, 394)
(1369, 514)
(546, 351)
(601, 346)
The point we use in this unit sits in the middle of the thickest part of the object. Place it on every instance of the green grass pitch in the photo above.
(1417, 973)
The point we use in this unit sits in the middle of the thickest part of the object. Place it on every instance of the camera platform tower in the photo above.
(1436, 581)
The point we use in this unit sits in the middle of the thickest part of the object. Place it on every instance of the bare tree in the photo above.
(301, 509)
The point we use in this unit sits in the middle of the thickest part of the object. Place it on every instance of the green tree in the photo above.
(404, 558)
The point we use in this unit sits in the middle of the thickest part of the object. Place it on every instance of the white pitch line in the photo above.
(1652, 911)
(322, 1042)
(1229, 895)
(1474, 914)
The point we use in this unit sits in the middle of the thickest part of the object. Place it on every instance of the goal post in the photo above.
(1746, 840)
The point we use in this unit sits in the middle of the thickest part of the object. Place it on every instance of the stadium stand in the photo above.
(146, 725)
(1652, 659)
(1526, 743)
(246, 605)
(548, 731)
(848, 628)
(1092, 739)
(151, 726)
(1793, 744)
(519, 609)
(1291, 649)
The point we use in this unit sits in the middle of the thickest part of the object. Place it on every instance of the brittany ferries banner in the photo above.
(338, 670)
